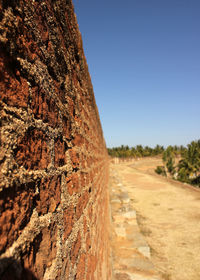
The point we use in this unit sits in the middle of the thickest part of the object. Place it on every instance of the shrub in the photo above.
(160, 170)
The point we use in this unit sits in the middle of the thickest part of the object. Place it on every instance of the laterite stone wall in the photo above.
(54, 221)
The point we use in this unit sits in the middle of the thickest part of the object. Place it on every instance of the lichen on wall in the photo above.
(54, 169)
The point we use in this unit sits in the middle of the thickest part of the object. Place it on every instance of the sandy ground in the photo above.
(168, 214)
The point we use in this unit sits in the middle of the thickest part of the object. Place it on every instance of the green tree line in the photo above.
(135, 152)
(186, 167)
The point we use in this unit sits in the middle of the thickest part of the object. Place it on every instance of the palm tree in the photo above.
(189, 165)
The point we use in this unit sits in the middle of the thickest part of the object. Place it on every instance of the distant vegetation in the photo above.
(138, 151)
(179, 162)
(185, 167)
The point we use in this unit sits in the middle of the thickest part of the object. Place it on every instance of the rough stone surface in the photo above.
(53, 159)
(131, 258)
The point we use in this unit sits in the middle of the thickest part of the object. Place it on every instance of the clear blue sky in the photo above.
(144, 61)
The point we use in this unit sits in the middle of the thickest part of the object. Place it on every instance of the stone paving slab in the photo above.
(131, 253)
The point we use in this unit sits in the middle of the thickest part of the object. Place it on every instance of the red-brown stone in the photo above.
(78, 140)
(69, 217)
(74, 156)
(66, 127)
(82, 202)
(59, 150)
(81, 268)
(44, 107)
(91, 266)
(49, 195)
(32, 150)
(16, 208)
(14, 88)
(73, 184)
(42, 252)
(76, 248)
(88, 242)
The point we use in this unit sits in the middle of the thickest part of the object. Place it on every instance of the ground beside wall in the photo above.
(54, 168)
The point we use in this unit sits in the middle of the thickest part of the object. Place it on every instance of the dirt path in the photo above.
(168, 214)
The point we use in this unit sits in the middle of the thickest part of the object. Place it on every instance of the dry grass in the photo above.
(168, 216)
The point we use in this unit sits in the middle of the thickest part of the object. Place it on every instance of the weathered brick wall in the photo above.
(53, 182)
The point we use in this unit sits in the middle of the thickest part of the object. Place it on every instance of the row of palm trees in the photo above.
(140, 151)
(183, 165)
(137, 151)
